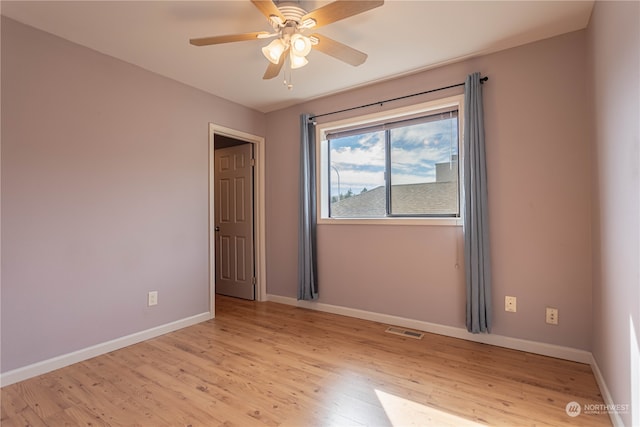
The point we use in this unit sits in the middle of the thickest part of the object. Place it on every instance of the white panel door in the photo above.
(233, 178)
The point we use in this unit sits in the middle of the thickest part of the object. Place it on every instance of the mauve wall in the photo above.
(104, 196)
(537, 128)
(614, 41)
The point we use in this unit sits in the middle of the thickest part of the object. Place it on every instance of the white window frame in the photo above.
(322, 169)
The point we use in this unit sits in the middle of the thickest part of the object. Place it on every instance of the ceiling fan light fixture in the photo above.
(274, 50)
(297, 61)
(300, 45)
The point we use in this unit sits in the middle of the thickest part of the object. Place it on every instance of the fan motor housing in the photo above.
(291, 11)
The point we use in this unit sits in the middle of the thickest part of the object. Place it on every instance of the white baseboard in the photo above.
(606, 395)
(544, 349)
(39, 368)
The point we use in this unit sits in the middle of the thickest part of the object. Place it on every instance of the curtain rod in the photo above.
(482, 80)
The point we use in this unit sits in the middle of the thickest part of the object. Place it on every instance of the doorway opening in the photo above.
(236, 215)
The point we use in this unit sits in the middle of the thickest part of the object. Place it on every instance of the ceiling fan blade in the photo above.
(339, 51)
(340, 9)
(206, 41)
(268, 8)
(274, 69)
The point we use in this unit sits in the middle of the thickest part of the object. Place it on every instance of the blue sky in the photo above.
(415, 150)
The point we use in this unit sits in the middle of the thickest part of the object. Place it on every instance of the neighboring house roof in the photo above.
(431, 198)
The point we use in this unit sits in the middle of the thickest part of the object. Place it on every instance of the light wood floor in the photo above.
(269, 364)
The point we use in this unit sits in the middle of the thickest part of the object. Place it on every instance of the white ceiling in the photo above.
(400, 37)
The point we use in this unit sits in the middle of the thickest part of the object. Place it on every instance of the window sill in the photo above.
(392, 221)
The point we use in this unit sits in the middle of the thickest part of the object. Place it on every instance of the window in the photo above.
(403, 164)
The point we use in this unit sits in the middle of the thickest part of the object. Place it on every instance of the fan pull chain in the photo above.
(288, 83)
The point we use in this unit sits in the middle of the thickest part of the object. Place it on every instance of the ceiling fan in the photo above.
(290, 24)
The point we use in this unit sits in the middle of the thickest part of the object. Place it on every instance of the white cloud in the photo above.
(414, 155)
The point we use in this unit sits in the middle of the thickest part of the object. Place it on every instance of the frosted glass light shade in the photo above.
(274, 50)
(300, 45)
(297, 61)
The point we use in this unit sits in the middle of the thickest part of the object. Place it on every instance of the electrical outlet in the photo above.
(510, 304)
(552, 316)
(152, 298)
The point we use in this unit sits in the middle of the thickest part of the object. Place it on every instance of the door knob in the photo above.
(217, 228)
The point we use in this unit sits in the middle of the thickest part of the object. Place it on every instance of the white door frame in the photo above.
(258, 211)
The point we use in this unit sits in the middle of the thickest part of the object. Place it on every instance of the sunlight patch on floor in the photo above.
(404, 413)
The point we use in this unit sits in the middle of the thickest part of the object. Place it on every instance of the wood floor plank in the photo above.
(160, 401)
(267, 364)
(12, 403)
(26, 417)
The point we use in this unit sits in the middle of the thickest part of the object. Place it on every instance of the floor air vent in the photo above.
(405, 332)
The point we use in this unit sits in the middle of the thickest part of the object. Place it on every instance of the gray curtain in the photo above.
(307, 263)
(476, 222)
